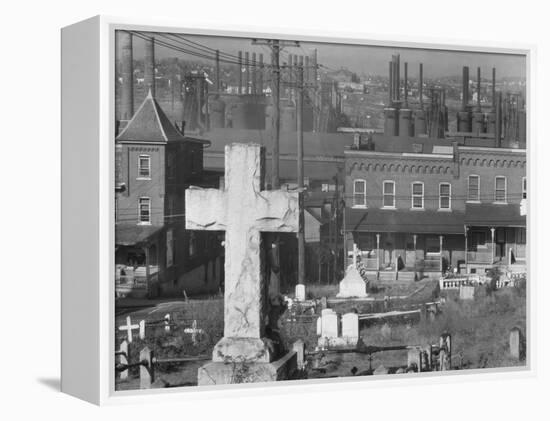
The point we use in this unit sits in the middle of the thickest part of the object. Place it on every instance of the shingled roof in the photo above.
(150, 124)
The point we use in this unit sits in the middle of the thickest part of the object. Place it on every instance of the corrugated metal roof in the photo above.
(397, 220)
(496, 215)
(133, 235)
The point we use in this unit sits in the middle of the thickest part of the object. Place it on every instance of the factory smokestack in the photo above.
(498, 123)
(390, 85)
(405, 114)
(493, 88)
(491, 116)
(127, 57)
(463, 117)
(149, 66)
(420, 114)
(478, 119)
(465, 87)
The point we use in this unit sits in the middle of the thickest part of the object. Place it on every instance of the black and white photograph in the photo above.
(290, 210)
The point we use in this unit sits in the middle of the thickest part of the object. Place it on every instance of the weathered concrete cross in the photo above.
(242, 210)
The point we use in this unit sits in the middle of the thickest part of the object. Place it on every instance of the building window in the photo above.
(473, 188)
(524, 188)
(359, 193)
(144, 210)
(389, 194)
(144, 166)
(418, 195)
(500, 189)
(444, 196)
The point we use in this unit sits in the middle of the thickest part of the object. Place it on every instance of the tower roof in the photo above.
(150, 124)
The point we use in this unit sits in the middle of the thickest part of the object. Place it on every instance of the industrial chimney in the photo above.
(491, 116)
(127, 97)
(478, 119)
(149, 66)
(405, 113)
(463, 116)
(420, 113)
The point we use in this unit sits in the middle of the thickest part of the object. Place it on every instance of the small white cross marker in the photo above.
(128, 327)
(193, 331)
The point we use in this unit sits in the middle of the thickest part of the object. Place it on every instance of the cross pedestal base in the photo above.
(238, 350)
(214, 373)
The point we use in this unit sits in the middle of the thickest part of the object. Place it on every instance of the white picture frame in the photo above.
(88, 129)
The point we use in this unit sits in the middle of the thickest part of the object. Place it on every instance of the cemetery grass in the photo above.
(479, 328)
(174, 344)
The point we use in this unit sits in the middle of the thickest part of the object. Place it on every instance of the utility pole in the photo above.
(261, 75)
(275, 45)
(276, 85)
(218, 85)
(254, 74)
(240, 64)
(247, 69)
(299, 95)
(317, 109)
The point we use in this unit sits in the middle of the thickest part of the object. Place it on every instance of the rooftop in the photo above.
(150, 124)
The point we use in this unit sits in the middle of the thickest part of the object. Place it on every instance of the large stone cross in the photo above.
(243, 210)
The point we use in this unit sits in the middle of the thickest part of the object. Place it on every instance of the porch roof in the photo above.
(406, 221)
(133, 235)
(493, 215)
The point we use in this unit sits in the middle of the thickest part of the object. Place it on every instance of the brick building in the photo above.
(417, 206)
(155, 255)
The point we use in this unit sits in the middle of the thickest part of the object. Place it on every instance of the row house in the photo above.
(419, 207)
(154, 254)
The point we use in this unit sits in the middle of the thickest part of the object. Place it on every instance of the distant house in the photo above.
(419, 206)
(155, 255)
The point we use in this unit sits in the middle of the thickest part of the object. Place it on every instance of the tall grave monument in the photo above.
(243, 210)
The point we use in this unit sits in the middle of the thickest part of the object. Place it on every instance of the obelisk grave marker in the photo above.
(243, 210)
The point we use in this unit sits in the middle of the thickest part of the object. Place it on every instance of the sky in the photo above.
(362, 59)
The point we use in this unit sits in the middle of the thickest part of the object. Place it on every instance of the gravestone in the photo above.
(353, 285)
(445, 356)
(414, 358)
(385, 330)
(380, 370)
(300, 293)
(329, 326)
(123, 358)
(466, 292)
(350, 328)
(243, 210)
(516, 343)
